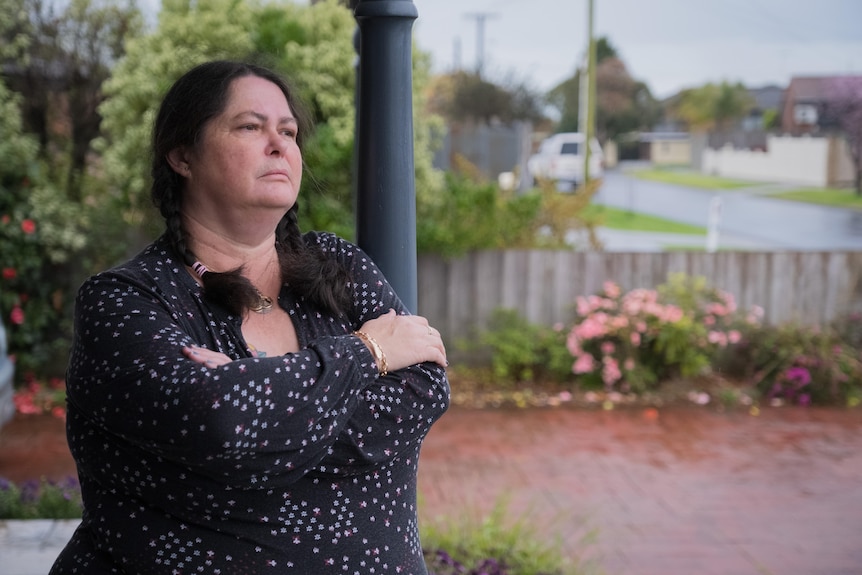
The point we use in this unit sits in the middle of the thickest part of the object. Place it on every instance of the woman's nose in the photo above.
(277, 144)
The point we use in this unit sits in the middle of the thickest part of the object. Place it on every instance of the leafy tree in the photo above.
(61, 55)
(315, 47)
(843, 110)
(312, 45)
(40, 232)
(462, 96)
(622, 103)
(188, 33)
(712, 106)
(565, 97)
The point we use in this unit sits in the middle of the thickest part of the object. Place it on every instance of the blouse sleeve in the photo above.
(396, 411)
(250, 420)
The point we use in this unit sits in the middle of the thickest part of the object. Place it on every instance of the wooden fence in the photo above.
(458, 296)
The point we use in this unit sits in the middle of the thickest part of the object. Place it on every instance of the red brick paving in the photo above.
(691, 492)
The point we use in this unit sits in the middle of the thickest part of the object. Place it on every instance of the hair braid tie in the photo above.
(200, 269)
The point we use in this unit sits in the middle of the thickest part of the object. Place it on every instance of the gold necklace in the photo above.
(264, 302)
(263, 305)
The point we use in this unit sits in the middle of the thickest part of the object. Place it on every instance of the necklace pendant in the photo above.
(264, 305)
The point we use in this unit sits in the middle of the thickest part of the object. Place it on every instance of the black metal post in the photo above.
(386, 190)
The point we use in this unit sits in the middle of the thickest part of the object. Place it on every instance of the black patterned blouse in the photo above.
(301, 463)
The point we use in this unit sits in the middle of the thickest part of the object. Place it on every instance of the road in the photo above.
(748, 218)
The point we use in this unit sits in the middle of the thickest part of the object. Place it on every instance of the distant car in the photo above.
(7, 371)
(561, 158)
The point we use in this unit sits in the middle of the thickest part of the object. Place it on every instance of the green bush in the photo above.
(637, 340)
(40, 499)
(497, 544)
(521, 351)
(465, 215)
(41, 233)
(799, 365)
(640, 340)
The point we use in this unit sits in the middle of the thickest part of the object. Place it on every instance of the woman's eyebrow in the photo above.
(263, 117)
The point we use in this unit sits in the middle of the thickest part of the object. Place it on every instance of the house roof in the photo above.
(819, 88)
(767, 97)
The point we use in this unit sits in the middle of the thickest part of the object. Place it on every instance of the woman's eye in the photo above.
(249, 127)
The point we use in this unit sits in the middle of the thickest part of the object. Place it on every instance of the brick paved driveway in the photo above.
(692, 491)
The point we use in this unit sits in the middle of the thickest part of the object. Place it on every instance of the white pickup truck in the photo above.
(561, 158)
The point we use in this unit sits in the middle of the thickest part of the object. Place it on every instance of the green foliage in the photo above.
(521, 351)
(712, 106)
(637, 340)
(40, 234)
(314, 46)
(800, 365)
(463, 96)
(465, 215)
(623, 104)
(188, 33)
(40, 500)
(311, 45)
(641, 340)
(503, 544)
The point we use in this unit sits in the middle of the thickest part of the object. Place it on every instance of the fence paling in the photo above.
(459, 295)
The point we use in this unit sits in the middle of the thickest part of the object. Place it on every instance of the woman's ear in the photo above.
(178, 159)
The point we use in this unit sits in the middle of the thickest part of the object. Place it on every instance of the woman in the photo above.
(243, 398)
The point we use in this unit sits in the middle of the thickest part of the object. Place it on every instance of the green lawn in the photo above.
(842, 198)
(690, 178)
(618, 219)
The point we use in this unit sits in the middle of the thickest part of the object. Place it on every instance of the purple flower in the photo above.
(798, 375)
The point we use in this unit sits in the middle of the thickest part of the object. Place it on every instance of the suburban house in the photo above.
(806, 101)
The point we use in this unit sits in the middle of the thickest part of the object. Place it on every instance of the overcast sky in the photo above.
(669, 44)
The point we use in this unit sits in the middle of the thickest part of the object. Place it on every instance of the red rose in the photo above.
(17, 315)
(9, 273)
(28, 226)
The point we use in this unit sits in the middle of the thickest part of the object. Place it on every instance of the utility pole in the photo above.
(480, 18)
(590, 126)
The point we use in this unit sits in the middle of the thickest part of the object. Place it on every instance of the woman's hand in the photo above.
(204, 356)
(406, 340)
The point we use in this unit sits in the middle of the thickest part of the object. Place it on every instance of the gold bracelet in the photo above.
(376, 351)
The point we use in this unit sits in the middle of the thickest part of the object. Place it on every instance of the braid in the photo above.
(229, 289)
(321, 279)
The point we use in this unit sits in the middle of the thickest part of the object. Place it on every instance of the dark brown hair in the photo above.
(191, 103)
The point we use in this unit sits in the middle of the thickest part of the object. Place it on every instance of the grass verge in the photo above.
(840, 198)
(619, 219)
(691, 179)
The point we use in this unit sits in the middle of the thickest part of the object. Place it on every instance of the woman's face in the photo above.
(248, 165)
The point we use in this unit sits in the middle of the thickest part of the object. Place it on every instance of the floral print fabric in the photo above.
(302, 463)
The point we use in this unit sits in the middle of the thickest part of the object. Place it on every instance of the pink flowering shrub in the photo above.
(801, 365)
(633, 341)
(39, 398)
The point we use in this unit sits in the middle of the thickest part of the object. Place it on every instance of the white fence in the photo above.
(458, 296)
(808, 161)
